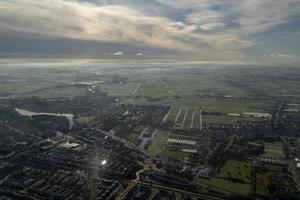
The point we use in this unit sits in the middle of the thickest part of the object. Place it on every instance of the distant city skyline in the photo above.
(203, 30)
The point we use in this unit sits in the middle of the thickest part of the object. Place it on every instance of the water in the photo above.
(30, 114)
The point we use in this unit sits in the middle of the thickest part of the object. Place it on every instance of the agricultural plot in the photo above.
(188, 119)
(126, 89)
(185, 117)
(206, 104)
(67, 91)
(173, 114)
(191, 89)
(274, 150)
(196, 121)
(220, 119)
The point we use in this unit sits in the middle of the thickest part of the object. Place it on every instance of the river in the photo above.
(30, 114)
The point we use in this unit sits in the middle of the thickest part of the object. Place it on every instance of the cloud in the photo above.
(200, 28)
(189, 4)
(119, 53)
(249, 16)
(280, 55)
(112, 23)
(212, 26)
(139, 54)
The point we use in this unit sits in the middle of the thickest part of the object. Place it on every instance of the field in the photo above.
(242, 189)
(274, 150)
(178, 85)
(187, 87)
(133, 136)
(188, 93)
(235, 169)
(234, 176)
(192, 118)
(157, 145)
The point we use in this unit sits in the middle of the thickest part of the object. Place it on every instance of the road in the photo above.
(182, 191)
(91, 184)
(166, 116)
(192, 121)
(136, 89)
(278, 112)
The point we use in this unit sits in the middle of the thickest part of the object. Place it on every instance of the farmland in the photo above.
(274, 150)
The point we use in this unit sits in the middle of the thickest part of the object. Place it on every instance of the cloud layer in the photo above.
(205, 28)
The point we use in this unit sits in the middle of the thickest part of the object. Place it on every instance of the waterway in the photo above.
(70, 117)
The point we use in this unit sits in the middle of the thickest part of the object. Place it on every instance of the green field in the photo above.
(173, 113)
(242, 189)
(133, 136)
(158, 143)
(158, 147)
(220, 119)
(274, 150)
(188, 119)
(211, 105)
(191, 89)
(120, 89)
(67, 91)
(195, 89)
(239, 170)
(234, 176)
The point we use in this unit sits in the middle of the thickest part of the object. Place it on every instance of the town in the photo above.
(119, 140)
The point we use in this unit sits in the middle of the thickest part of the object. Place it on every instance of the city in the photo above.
(149, 99)
(89, 142)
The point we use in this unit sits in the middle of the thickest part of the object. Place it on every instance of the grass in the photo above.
(83, 119)
(255, 144)
(239, 170)
(120, 89)
(220, 119)
(196, 123)
(274, 150)
(207, 104)
(188, 120)
(157, 145)
(173, 156)
(172, 115)
(134, 135)
(67, 91)
(187, 88)
(242, 189)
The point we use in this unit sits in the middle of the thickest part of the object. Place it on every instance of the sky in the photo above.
(203, 30)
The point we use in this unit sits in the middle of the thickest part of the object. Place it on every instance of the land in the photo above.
(149, 130)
